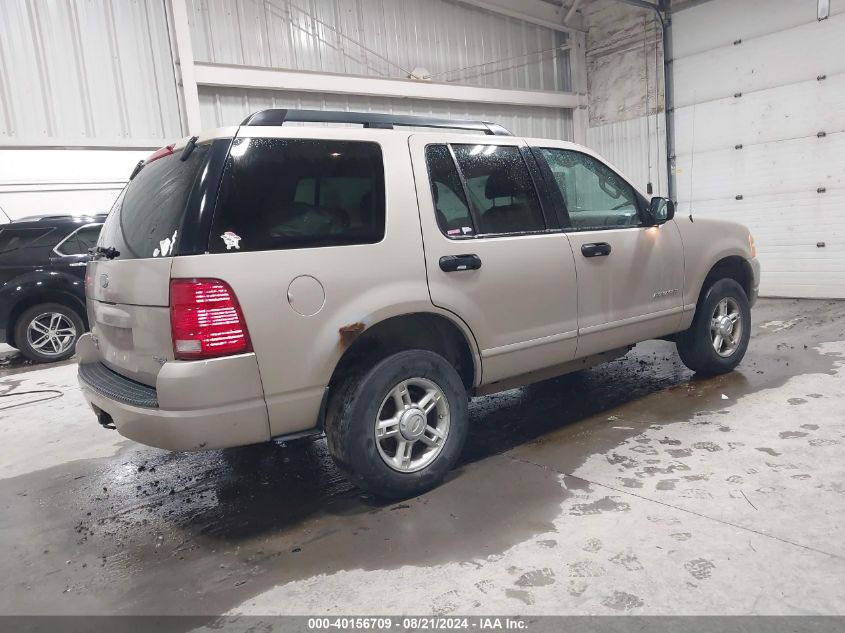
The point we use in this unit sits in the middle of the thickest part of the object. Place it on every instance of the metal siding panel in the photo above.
(786, 229)
(86, 72)
(797, 54)
(787, 166)
(782, 107)
(705, 27)
(794, 111)
(626, 144)
(780, 205)
(228, 106)
(334, 35)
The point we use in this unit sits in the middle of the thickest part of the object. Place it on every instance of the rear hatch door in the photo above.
(128, 287)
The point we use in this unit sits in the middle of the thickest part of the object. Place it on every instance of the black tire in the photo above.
(23, 343)
(696, 346)
(354, 409)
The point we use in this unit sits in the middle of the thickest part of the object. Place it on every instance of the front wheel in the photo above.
(717, 340)
(48, 332)
(398, 428)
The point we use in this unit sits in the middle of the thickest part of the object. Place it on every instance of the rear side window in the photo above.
(12, 239)
(78, 242)
(146, 217)
(299, 193)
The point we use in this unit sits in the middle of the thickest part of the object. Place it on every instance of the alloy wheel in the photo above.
(726, 327)
(412, 425)
(51, 333)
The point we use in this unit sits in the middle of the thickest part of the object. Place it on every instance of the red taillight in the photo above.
(160, 153)
(206, 320)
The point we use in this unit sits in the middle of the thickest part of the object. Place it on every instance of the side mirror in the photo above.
(660, 211)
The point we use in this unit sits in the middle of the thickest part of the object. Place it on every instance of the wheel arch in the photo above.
(417, 330)
(734, 267)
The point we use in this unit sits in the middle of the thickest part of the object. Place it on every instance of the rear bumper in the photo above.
(195, 405)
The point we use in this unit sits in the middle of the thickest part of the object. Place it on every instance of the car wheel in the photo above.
(718, 337)
(398, 428)
(48, 332)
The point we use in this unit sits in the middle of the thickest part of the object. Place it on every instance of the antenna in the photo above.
(649, 187)
(657, 101)
(8, 219)
(692, 156)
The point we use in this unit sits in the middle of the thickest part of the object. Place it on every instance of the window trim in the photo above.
(470, 207)
(557, 194)
(70, 235)
(542, 193)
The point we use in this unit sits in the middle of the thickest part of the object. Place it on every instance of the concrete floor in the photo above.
(631, 488)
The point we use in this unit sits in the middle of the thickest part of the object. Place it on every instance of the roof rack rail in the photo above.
(278, 116)
(50, 217)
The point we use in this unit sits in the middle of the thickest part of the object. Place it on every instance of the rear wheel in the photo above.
(48, 332)
(398, 428)
(717, 340)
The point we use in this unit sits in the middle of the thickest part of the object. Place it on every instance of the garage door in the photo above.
(760, 133)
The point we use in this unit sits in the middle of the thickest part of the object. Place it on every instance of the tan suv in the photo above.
(275, 280)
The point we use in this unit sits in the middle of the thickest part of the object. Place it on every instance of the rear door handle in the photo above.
(597, 249)
(453, 263)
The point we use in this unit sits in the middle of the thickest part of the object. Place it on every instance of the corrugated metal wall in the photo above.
(383, 38)
(100, 74)
(637, 147)
(86, 72)
(228, 106)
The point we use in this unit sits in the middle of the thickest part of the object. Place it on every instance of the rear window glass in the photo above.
(147, 216)
(297, 193)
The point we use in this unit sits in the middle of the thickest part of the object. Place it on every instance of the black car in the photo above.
(42, 283)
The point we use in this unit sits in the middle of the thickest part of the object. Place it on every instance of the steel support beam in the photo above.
(300, 81)
(578, 68)
(530, 11)
(185, 53)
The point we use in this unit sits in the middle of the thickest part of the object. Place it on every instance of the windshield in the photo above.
(146, 218)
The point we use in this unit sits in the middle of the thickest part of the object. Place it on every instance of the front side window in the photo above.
(596, 197)
(78, 242)
(500, 189)
(299, 193)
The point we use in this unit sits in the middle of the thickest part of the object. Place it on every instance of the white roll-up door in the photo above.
(760, 133)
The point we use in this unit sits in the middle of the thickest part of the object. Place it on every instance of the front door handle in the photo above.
(597, 249)
(452, 263)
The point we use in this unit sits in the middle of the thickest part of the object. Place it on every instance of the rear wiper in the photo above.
(109, 252)
(138, 168)
(192, 143)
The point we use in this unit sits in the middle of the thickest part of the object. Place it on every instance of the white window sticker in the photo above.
(165, 246)
(231, 240)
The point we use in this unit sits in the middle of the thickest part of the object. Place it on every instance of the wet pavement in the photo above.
(633, 487)
(13, 362)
